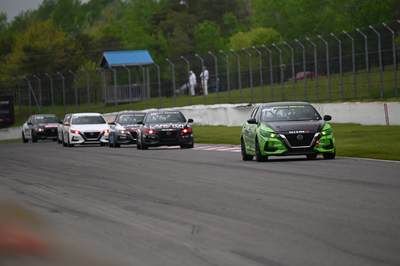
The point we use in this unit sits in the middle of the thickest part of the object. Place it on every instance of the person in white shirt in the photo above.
(204, 80)
(192, 82)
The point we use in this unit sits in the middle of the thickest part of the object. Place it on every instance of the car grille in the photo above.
(92, 135)
(133, 133)
(296, 141)
(169, 135)
(51, 132)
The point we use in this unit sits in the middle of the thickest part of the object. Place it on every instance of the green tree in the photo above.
(208, 37)
(40, 49)
(254, 37)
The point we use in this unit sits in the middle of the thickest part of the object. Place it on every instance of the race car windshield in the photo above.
(87, 120)
(45, 119)
(289, 113)
(130, 119)
(170, 117)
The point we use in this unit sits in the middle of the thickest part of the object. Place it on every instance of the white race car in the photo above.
(60, 128)
(85, 128)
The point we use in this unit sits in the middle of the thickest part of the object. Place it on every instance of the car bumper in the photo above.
(154, 140)
(279, 147)
(81, 139)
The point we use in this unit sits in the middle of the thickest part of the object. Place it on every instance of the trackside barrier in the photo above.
(236, 114)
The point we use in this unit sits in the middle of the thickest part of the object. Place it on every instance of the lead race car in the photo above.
(287, 128)
(43, 126)
(165, 128)
(123, 130)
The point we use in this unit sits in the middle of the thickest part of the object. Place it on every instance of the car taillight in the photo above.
(148, 131)
(75, 131)
(186, 130)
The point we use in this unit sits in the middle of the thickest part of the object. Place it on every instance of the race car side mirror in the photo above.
(60, 122)
(327, 117)
(252, 120)
(66, 124)
(190, 120)
(140, 122)
(111, 122)
(29, 123)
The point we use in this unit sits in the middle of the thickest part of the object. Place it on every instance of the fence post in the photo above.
(51, 92)
(394, 57)
(380, 59)
(281, 69)
(144, 88)
(366, 59)
(40, 93)
(293, 74)
(76, 91)
(304, 69)
(202, 69)
(261, 73)
(173, 80)
(19, 98)
(240, 82)
(88, 89)
(102, 90)
(354, 64)
(216, 75)
(130, 87)
(62, 77)
(340, 66)
(271, 72)
(30, 100)
(316, 68)
(251, 75)
(327, 67)
(115, 89)
(227, 75)
(188, 84)
(159, 85)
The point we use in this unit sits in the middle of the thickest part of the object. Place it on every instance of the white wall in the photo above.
(237, 114)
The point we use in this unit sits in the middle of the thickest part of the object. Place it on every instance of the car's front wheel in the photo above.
(34, 139)
(69, 142)
(259, 156)
(245, 156)
(312, 156)
(329, 155)
(24, 140)
(143, 146)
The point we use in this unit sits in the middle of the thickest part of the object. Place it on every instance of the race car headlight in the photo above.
(121, 131)
(327, 132)
(40, 129)
(186, 130)
(267, 134)
(148, 131)
(106, 131)
(75, 132)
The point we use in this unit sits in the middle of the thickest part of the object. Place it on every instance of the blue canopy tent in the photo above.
(116, 60)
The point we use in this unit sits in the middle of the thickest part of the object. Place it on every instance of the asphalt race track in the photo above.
(125, 206)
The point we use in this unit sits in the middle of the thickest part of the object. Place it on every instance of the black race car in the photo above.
(165, 128)
(123, 130)
(43, 126)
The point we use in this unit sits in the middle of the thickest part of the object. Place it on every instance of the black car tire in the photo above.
(63, 141)
(312, 156)
(56, 139)
(329, 156)
(116, 144)
(59, 141)
(259, 156)
(245, 156)
(143, 146)
(102, 144)
(69, 143)
(24, 140)
(34, 139)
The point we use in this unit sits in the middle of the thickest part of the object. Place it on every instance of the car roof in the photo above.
(131, 113)
(86, 114)
(44, 115)
(163, 111)
(272, 104)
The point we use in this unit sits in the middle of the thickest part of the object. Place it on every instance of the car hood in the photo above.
(90, 128)
(291, 127)
(128, 126)
(163, 126)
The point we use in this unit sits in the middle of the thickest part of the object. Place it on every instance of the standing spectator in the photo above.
(192, 82)
(204, 80)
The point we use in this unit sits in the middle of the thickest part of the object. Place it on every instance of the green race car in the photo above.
(287, 128)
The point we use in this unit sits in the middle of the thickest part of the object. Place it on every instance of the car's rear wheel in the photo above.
(312, 156)
(24, 140)
(245, 156)
(259, 156)
(329, 155)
